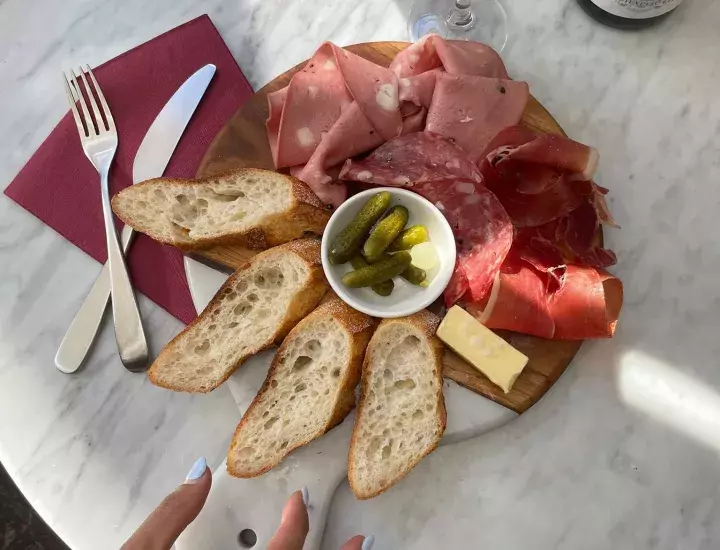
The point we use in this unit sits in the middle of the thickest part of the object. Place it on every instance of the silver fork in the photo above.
(99, 140)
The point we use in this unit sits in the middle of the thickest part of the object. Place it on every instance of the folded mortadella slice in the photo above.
(319, 93)
(455, 56)
(471, 110)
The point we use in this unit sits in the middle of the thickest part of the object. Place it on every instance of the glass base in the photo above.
(485, 21)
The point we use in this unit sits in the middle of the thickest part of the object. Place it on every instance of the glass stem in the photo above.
(461, 15)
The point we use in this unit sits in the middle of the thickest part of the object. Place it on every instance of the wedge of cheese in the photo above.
(481, 347)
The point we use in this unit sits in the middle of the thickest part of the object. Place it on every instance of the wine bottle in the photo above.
(629, 14)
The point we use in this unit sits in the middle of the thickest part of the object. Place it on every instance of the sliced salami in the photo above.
(411, 160)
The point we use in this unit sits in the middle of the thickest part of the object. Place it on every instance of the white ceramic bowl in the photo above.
(406, 298)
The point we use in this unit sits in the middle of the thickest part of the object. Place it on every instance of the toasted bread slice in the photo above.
(309, 388)
(249, 207)
(401, 412)
(256, 307)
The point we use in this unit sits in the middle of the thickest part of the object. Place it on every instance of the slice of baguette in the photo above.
(309, 388)
(401, 412)
(256, 307)
(249, 207)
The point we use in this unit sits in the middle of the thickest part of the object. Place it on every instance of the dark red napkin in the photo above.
(60, 186)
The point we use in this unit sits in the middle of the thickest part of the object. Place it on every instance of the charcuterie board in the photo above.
(243, 143)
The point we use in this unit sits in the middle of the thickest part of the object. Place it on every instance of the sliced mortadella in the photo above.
(465, 57)
(318, 94)
(314, 100)
(276, 103)
(419, 89)
(471, 110)
(455, 56)
(375, 88)
(587, 305)
(351, 135)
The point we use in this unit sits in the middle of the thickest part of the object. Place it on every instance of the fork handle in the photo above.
(85, 325)
(129, 332)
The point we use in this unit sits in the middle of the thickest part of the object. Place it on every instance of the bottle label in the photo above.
(637, 9)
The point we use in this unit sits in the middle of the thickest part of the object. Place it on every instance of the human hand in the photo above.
(164, 525)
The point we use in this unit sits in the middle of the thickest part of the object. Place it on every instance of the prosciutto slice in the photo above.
(540, 178)
(587, 305)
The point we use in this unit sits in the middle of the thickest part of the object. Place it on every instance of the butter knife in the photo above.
(151, 160)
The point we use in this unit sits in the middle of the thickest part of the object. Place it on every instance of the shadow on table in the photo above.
(20, 526)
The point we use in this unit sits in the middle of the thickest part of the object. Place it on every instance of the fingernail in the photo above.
(305, 496)
(368, 542)
(197, 470)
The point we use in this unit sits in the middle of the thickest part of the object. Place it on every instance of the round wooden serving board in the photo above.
(243, 143)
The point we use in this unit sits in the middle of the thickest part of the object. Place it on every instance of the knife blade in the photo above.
(150, 161)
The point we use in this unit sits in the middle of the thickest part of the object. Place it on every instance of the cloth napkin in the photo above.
(61, 188)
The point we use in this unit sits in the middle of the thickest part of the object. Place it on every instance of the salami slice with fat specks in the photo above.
(440, 171)
(412, 160)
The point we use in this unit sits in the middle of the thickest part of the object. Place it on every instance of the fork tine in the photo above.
(92, 131)
(106, 108)
(91, 96)
(73, 107)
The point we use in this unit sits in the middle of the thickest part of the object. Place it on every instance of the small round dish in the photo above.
(406, 298)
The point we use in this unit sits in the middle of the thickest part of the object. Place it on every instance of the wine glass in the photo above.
(479, 20)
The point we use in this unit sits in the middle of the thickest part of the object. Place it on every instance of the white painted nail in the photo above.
(368, 542)
(197, 470)
(305, 496)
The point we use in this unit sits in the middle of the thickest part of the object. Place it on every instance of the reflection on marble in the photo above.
(584, 468)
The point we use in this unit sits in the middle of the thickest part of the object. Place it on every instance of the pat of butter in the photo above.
(424, 256)
(481, 347)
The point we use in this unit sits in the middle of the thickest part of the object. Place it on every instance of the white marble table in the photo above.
(621, 453)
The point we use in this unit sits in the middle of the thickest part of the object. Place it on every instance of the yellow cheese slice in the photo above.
(481, 347)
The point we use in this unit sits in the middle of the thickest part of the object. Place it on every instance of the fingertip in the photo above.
(294, 525)
(357, 542)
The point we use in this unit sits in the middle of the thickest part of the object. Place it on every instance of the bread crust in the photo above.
(426, 323)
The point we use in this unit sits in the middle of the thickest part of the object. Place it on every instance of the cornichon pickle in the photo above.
(350, 239)
(412, 274)
(383, 289)
(410, 237)
(379, 272)
(385, 232)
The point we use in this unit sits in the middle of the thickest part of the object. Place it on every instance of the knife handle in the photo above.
(85, 325)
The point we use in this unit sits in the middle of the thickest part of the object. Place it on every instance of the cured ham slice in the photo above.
(540, 178)
(471, 110)
(518, 301)
(411, 160)
(587, 305)
(580, 235)
(455, 56)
